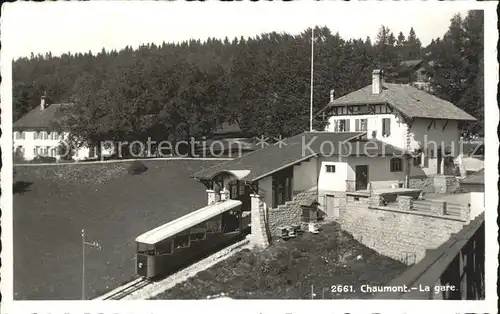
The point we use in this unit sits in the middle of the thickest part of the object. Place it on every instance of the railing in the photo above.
(350, 186)
(457, 263)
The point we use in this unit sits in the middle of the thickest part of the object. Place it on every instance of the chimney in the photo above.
(42, 103)
(332, 95)
(376, 81)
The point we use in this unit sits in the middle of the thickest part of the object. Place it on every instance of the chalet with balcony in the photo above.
(405, 117)
(375, 140)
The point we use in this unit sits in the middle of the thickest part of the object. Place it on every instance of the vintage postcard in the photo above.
(260, 157)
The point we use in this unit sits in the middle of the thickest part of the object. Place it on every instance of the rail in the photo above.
(350, 186)
(127, 289)
(457, 263)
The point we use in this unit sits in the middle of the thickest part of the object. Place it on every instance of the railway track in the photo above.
(126, 290)
(142, 289)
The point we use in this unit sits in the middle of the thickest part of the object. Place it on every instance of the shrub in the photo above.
(18, 157)
(137, 167)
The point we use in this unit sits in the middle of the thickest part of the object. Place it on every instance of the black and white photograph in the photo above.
(249, 151)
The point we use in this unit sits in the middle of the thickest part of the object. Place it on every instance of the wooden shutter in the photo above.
(386, 126)
(336, 125)
(357, 124)
(347, 125)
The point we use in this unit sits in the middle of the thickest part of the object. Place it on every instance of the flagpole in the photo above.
(312, 70)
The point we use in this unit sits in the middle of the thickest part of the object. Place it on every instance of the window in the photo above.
(214, 225)
(396, 165)
(417, 161)
(20, 135)
(197, 234)
(164, 247)
(52, 152)
(37, 151)
(181, 241)
(330, 168)
(146, 249)
(45, 151)
(386, 126)
(43, 135)
(306, 217)
(341, 125)
(282, 187)
(36, 135)
(361, 124)
(54, 135)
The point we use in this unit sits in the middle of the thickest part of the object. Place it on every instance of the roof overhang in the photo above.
(185, 222)
(238, 174)
(284, 166)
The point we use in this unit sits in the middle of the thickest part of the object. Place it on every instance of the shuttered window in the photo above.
(386, 126)
(361, 124)
(396, 165)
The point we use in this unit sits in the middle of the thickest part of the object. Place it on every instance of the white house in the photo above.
(404, 116)
(35, 134)
(376, 138)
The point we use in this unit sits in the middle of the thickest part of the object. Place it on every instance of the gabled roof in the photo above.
(410, 101)
(39, 119)
(273, 158)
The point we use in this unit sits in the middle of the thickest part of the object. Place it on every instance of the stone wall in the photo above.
(401, 235)
(435, 184)
(290, 213)
(426, 184)
(322, 195)
(445, 184)
(259, 236)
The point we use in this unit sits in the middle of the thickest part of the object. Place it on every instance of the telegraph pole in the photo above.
(83, 264)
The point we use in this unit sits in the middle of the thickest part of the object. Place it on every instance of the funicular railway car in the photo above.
(185, 240)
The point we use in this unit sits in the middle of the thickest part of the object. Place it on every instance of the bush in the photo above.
(137, 167)
(43, 160)
(18, 157)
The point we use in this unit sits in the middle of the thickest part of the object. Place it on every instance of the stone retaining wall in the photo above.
(398, 231)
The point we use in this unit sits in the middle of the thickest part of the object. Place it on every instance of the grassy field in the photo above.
(53, 203)
(291, 269)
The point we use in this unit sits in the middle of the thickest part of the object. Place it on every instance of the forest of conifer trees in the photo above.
(263, 83)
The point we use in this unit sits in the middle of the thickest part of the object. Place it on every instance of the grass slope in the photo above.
(53, 203)
(287, 270)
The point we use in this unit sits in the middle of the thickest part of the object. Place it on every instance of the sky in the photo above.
(61, 27)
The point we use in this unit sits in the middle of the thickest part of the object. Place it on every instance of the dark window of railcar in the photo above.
(181, 240)
(142, 248)
(214, 225)
(197, 234)
(164, 247)
(151, 249)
